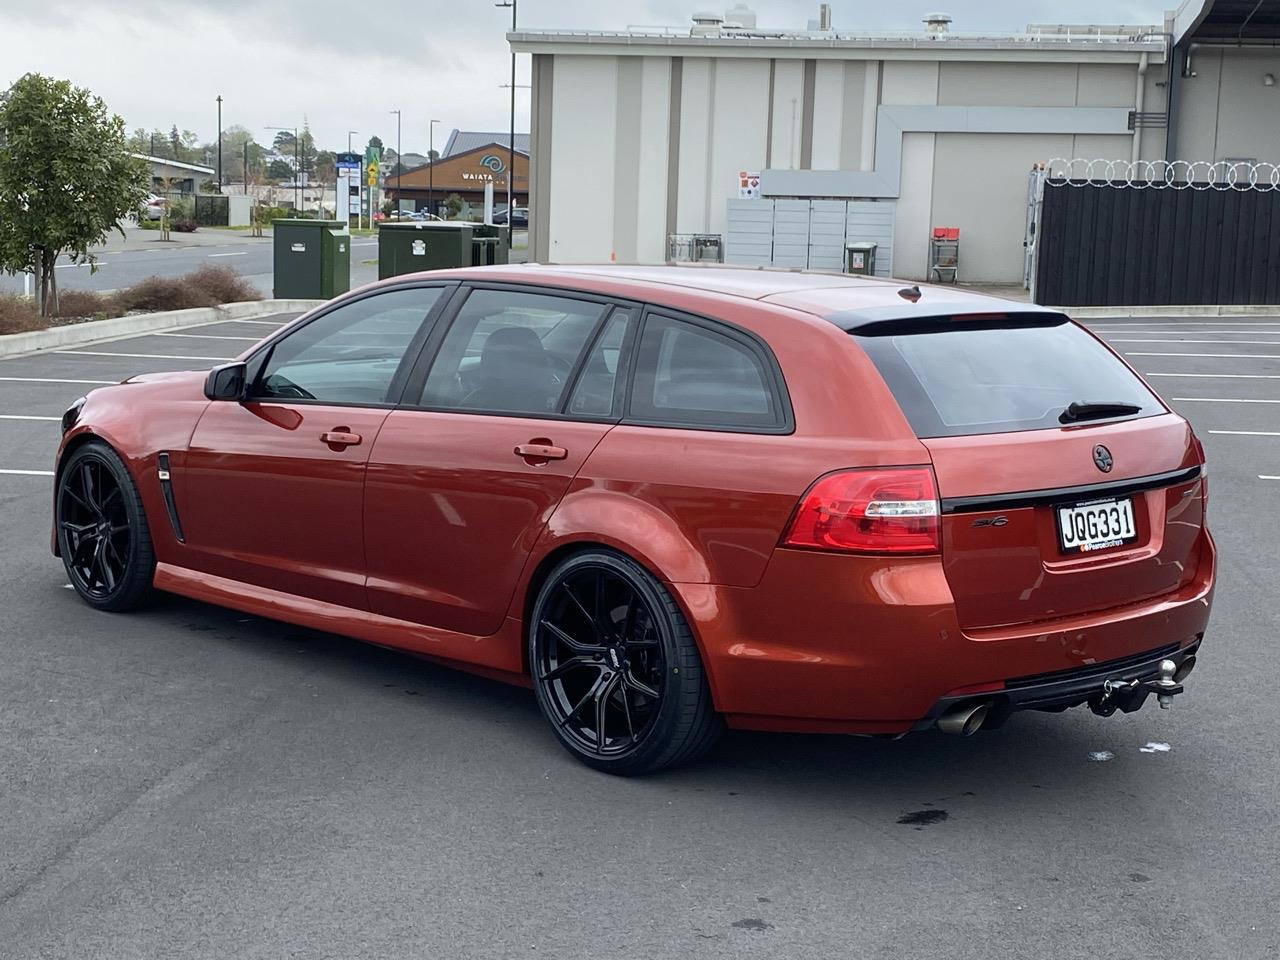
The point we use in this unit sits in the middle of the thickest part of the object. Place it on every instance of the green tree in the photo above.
(375, 142)
(453, 204)
(66, 178)
(279, 170)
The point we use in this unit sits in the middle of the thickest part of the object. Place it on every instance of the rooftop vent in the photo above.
(707, 24)
(937, 24)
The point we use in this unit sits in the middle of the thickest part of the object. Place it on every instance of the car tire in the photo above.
(102, 529)
(616, 669)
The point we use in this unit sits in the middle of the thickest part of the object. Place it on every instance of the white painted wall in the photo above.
(909, 82)
(695, 144)
(584, 167)
(1226, 110)
(828, 114)
(788, 104)
(739, 125)
(651, 217)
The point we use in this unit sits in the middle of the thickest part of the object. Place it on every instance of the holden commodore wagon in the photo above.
(674, 499)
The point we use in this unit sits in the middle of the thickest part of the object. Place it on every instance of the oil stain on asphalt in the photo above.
(923, 818)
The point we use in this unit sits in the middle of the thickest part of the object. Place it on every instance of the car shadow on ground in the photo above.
(1032, 756)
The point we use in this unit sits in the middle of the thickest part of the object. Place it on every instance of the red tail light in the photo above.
(881, 510)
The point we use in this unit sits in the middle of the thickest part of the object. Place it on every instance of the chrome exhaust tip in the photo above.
(1184, 668)
(964, 720)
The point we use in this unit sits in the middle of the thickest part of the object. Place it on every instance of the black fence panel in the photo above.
(1114, 244)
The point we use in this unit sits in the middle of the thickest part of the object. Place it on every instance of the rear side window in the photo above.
(959, 379)
(688, 374)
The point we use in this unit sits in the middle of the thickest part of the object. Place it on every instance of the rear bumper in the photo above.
(1063, 689)
(845, 644)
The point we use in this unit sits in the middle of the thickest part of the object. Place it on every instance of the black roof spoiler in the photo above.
(895, 320)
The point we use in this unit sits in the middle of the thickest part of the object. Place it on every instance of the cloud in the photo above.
(344, 66)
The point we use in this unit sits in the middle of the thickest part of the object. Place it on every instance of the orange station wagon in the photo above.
(672, 499)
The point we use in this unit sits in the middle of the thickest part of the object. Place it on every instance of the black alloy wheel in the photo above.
(616, 669)
(102, 530)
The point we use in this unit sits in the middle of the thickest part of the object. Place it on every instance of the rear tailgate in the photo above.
(1043, 518)
(1003, 535)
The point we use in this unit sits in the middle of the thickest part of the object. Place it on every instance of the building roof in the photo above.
(461, 141)
(1233, 21)
(174, 163)
(1060, 42)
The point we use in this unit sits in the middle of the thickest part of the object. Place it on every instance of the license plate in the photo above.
(1099, 525)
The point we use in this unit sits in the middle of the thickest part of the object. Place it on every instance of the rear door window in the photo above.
(959, 379)
(696, 375)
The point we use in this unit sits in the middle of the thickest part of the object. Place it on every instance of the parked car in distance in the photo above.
(519, 217)
(153, 207)
(674, 499)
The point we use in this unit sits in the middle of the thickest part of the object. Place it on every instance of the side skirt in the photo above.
(499, 656)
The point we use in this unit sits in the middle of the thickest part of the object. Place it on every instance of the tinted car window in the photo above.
(510, 352)
(350, 354)
(1000, 378)
(594, 392)
(690, 375)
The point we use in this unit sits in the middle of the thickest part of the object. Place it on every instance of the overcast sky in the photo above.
(344, 64)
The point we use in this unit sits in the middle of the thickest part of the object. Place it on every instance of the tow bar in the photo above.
(1128, 696)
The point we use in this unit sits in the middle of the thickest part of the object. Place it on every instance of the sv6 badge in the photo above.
(991, 521)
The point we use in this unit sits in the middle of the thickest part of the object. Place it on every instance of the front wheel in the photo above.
(616, 669)
(102, 530)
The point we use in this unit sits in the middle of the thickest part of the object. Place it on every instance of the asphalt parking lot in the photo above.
(191, 782)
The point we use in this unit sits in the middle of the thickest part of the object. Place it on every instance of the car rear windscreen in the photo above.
(959, 377)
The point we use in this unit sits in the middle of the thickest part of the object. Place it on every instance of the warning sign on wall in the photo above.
(748, 185)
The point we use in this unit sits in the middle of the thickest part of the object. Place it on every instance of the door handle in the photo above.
(341, 438)
(541, 451)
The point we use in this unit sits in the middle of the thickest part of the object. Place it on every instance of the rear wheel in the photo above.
(616, 669)
(102, 530)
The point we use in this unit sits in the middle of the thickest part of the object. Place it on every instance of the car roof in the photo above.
(850, 302)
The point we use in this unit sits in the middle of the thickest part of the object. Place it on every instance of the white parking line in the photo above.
(1219, 400)
(1202, 333)
(96, 383)
(205, 336)
(265, 323)
(238, 254)
(21, 416)
(1266, 343)
(1263, 476)
(1247, 433)
(28, 473)
(1219, 356)
(147, 356)
(73, 266)
(1199, 323)
(1221, 376)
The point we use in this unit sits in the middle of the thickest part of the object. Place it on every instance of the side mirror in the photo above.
(226, 382)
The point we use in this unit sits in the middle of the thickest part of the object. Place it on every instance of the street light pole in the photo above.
(350, 134)
(219, 144)
(431, 167)
(399, 162)
(511, 144)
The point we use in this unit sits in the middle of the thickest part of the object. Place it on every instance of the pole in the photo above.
(246, 167)
(219, 144)
(153, 144)
(431, 167)
(511, 144)
(297, 171)
(399, 163)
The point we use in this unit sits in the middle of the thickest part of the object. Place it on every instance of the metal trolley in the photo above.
(944, 254)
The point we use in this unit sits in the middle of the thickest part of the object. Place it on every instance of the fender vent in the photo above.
(166, 488)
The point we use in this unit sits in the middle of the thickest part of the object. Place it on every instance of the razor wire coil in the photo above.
(1161, 174)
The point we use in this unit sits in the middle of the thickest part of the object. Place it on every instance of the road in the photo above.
(141, 254)
(190, 782)
(119, 268)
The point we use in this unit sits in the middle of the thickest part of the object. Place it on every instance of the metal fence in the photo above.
(207, 210)
(1114, 233)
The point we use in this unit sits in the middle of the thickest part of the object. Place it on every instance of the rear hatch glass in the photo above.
(1045, 514)
(962, 376)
